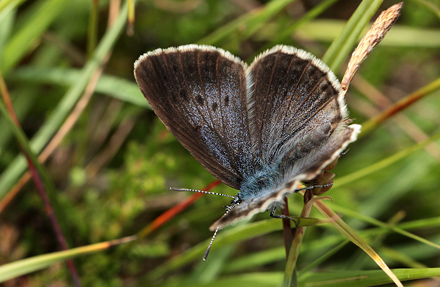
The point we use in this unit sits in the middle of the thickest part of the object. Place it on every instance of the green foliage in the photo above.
(111, 173)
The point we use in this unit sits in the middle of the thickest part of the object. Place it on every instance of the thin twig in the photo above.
(39, 185)
(69, 122)
(287, 229)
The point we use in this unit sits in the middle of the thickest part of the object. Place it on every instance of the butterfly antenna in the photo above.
(213, 237)
(200, 191)
(206, 192)
(209, 246)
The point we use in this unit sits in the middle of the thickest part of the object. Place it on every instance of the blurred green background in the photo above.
(112, 169)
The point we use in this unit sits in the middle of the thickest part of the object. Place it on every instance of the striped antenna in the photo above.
(200, 191)
(209, 246)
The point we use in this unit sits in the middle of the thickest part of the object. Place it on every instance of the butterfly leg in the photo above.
(281, 216)
(314, 186)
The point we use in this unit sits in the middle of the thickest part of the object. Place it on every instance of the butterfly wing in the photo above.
(295, 105)
(285, 110)
(297, 119)
(199, 93)
(255, 205)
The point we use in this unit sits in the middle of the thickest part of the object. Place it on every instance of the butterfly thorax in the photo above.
(261, 182)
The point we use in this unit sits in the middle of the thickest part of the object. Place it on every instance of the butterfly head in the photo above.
(234, 202)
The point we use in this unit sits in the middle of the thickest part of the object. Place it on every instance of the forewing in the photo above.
(310, 167)
(297, 119)
(294, 105)
(199, 93)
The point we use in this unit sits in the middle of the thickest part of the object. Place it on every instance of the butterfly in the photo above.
(261, 129)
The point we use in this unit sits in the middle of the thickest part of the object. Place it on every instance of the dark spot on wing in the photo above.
(325, 85)
(200, 99)
(325, 128)
(214, 106)
(226, 100)
(183, 94)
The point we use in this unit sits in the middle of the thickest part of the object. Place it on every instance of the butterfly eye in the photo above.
(233, 203)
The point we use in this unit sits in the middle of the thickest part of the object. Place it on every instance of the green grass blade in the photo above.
(23, 40)
(237, 234)
(115, 87)
(7, 4)
(254, 279)
(430, 6)
(47, 187)
(315, 12)
(17, 167)
(351, 235)
(353, 177)
(400, 105)
(376, 222)
(251, 22)
(7, 17)
(399, 36)
(366, 278)
(26, 266)
(256, 259)
(339, 50)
